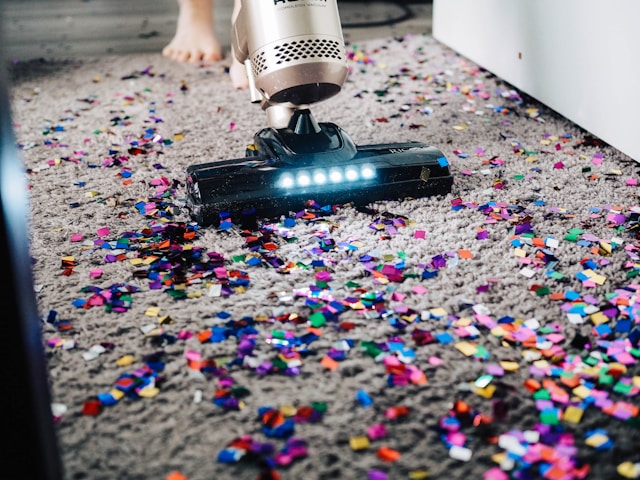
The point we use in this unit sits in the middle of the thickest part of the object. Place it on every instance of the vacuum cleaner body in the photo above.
(295, 56)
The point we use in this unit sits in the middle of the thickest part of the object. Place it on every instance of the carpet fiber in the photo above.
(489, 330)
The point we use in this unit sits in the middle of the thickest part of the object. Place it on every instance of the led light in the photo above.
(303, 179)
(351, 174)
(286, 181)
(319, 177)
(367, 171)
(335, 175)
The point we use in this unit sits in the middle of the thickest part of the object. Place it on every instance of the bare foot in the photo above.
(195, 39)
(238, 74)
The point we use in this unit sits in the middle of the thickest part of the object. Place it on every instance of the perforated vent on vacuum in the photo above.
(297, 50)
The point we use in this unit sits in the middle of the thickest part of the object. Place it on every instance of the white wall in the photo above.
(579, 57)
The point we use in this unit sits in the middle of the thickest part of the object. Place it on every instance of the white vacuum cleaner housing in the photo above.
(293, 49)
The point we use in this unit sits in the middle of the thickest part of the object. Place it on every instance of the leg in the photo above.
(237, 71)
(195, 39)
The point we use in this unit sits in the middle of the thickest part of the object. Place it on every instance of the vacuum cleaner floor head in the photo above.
(286, 169)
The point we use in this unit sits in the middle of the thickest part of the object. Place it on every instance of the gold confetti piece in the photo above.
(418, 474)
(460, 127)
(543, 364)
(438, 312)
(581, 391)
(135, 261)
(595, 277)
(125, 361)
(152, 311)
(466, 348)
(149, 392)
(628, 470)
(116, 394)
(509, 366)
(486, 392)
(288, 410)
(596, 440)
(463, 322)
(519, 252)
(573, 414)
(598, 318)
(359, 443)
(605, 248)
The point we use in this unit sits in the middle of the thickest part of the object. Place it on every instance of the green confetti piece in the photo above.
(545, 329)
(623, 388)
(605, 379)
(555, 275)
(542, 394)
(591, 361)
(279, 363)
(317, 319)
(371, 349)
(549, 417)
(177, 294)
(542, 291)
(518, 177)
(319, 406)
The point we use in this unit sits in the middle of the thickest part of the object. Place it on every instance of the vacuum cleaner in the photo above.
(295, 56)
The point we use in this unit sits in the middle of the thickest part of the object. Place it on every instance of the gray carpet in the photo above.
(489, 330)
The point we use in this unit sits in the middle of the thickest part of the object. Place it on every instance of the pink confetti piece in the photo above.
(96, 273)
(419, 234)
(419, 290)
(631, 182)
(103, 231)
(76, 237)
(435, 361)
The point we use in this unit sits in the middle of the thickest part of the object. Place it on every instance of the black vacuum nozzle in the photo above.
(308, 161)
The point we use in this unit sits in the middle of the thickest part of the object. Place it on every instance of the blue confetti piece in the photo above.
(363, 398)
(444, 338)
(442, 161)
(230, 455)
(106, 399)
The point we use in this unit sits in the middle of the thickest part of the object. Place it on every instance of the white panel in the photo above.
(579, 57)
